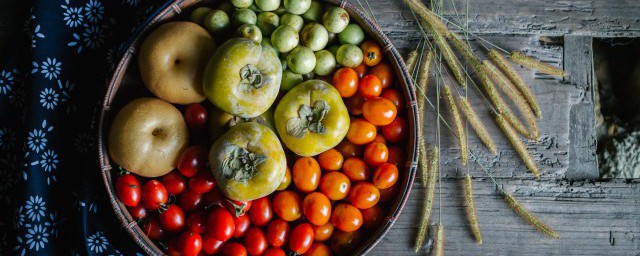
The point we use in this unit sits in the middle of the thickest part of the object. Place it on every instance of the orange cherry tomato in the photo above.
(361, 70)
(324, 232)
(348, 149)
(354, 104)
(379, 111)
(376, 154)
(372, 218)
(306, 174)
(370, 86)
(364, 195)
(345, 242)
(385, 176)
(388, 194)
(395, 96)
(361, 132)
(396, 156)
(371, 52)
(318, 249)
(286, 180)
(287, 205)
(396, 131)
(380, 138)
(346, 217)
(355, 169)
(316, 208)
(335, 185)
(331, 160)
(346, 81)
(384, 72)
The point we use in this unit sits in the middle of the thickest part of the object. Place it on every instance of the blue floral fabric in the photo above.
(53, 73)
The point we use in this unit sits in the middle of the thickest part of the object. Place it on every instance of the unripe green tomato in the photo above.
(267, 5)
(335, 19)
(216, 21)
(325, 63)
(290, 80)
(301, 60)
(349, 55)
(267, 42)
(314, 36)
(198, 14)
(280, 11)
(241, 3)
(267, 22)
(292, 20)
(284, 38)
(243, 16)
(297, 6)
(352, 34)
(315, 12)
(250, 31)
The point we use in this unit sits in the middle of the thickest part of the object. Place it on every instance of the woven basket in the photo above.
(125, 85)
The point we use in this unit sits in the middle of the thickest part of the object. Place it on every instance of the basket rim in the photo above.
(174, 7)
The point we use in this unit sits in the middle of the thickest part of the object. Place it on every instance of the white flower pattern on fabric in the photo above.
(73, 17)
(53, 224)
(6, 81)
(97, 242)
(49, 161)
(34, 35)
(35, 208)
(37, 140)
(37, 237)
(51, 68)
(49, 98)
(94, 11)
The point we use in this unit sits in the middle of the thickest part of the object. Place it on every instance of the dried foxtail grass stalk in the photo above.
(458, 127)
(514, 95)
(477, 125)
(438, 242)
(526, 215)
(472, 215)
(524, 60)
(429, 197)
(412, 59)
(423, 81)
(424, 74)
(447, 54)
(518, 145)
(428, 16)
(464, 49)
(517, 80)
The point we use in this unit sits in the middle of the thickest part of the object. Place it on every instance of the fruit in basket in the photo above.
(199, 13)
(335, 19)
(352, 34)
(297, 6)
(243, 16)
(284, 38)
(292, 20)
(314, 13)
(325, 63)
(311, 118)
(290, 79)
(219, 121)
(172, 60)
(349, 55)
(248, 162)
(250, 31)
(243, 78)
(147, 137)
(267, 5)
(241, 3)
(267, 22)
(301, 60)
(314, 36)
(216, 22)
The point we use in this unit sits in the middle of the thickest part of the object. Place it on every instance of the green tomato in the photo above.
(241, 3)
(267, 43)
(268, 5)
(284, 38)
(335, 19)
(292, 20)
(297, 6)
(243, 16)
(242, 77)
(311, 118)
(301, 60)
(216, 21)
(267, 22)
(248, 162)
(250, 31)
(198, 14)
(314, 36)
(349, 55)
(290, 80)
(352, 34)
(315, 12)
(325, 63)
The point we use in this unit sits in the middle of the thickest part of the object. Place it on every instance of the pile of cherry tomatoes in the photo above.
(321, 207)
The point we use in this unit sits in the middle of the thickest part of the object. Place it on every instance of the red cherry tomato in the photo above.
(396, 156)
(154, 195)
(237, 208)
(214, 198)
(370, 86)
(242, 225)
(234, 249)
(128, 190)
(301, 238)
(274, 252)
(196, 222)
(192, 160)
(361, 70)
(396, 131)
(376, 154)
(202, 182)
(220, 224)
(174, 183)
(153, 229)
(137, 212)
(348, 149)
(211, 245)
(255, 241)
(190, 244)
(354, 104)
(278, 232)
(372, 218)
(395, 96)
(195, 116)
(189, 200)
(172, 219)
(174, 247)
(323, 233)
(261, 211)
(385, 176)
